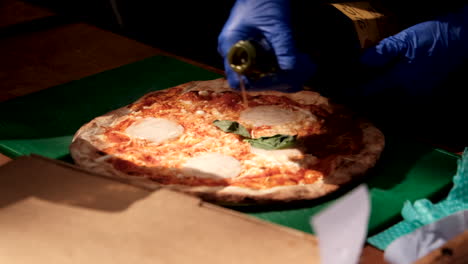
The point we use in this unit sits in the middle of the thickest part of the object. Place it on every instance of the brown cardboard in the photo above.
(371, 25)
(52, 212)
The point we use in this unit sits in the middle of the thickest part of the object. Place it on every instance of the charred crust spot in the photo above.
(446, 251)
(249, 200)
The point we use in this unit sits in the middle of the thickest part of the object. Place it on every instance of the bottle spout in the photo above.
(241, 56)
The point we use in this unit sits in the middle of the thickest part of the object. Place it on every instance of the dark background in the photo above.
(190, 28)
(184, 28)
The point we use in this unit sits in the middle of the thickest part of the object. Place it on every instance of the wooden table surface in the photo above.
(57, 54)
(14, 12)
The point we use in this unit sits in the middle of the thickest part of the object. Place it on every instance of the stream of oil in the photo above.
(243, 92)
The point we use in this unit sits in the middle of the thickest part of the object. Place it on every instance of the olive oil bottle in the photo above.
(253, 59)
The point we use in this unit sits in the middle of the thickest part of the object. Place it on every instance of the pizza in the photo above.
(205, 139)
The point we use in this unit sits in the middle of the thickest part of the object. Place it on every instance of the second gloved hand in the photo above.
(418, 59)
(268, 20)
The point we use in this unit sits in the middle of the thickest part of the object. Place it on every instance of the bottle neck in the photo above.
(241, 57)
(253, 59)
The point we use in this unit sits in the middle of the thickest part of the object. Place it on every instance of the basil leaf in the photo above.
(232, 127)
(274, 142)
(270, 143)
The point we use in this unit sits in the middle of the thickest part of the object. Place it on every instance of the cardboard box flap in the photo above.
(55, 214)
(371, 25)
(62, 183)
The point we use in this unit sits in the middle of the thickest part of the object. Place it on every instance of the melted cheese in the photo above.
(269, 120)
(156, 130)
(212, 165)
(268, 115)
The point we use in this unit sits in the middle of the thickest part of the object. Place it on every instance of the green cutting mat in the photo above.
(44, 122)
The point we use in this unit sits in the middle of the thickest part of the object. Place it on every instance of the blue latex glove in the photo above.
(416, 60)
(268, 20)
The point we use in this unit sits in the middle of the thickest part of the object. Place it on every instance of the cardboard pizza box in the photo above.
(54, 212)
(370, 23)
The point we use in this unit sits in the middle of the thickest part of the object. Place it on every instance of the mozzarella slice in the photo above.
(269, 115)
(212, 165)
(155, 130)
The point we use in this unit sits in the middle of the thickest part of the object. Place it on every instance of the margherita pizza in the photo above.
(202, 138)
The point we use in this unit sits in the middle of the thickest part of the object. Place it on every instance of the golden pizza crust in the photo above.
(86, 151)
(221, 85)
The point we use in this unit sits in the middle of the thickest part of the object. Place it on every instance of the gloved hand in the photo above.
(269, 20)
(416, 60)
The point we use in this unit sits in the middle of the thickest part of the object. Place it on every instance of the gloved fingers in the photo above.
(421, 40)
(228, 38)
(416, 62)
(281, 39)
(387, 50)
(258, 19)
(286, 81)
(268, 22)
(225, 42)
